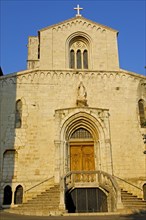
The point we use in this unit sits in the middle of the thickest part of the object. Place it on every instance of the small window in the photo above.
(7, 195)
(72, 59)
(10, 158)
(79, 65)
(38, 51)
(18, 196)
(18, 114)
(85, 59)
(142, 113)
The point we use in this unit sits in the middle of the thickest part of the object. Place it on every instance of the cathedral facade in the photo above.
(73, 120)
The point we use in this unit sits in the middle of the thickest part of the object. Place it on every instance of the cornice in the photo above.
(81, 19)
(46, 77)
(77, 72)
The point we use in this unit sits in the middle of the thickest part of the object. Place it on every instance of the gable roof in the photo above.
(79, 18)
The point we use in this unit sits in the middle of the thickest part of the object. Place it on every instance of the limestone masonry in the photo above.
(74, 119)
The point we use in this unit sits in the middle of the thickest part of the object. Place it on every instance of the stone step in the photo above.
(37, 212)
(53, 189)
(128, 195)
(42, 201)
(41, 204)
(46, 202)
(132, 202)
(45, 198)
(37, 207)
(131, 198)
(48, 195)
(136, 207)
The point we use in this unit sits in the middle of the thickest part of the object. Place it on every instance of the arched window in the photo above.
(18, 114)
(79, 65)
(18, 196)
(7, 195)
(144, 191)
(10, 159)
(142, 113)
(79, 51)
(72, 59)
(81, 133)
(85, 59)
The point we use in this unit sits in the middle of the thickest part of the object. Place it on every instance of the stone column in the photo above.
(13, 195)
(62, 195)
(57, 162)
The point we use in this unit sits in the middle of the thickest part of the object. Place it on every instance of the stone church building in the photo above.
(73, 125)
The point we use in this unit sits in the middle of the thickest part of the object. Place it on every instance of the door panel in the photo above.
(82, 158)
(88, 158)
(76, 161)
(76, 158)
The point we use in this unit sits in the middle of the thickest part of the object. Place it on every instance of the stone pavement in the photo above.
(134, 216)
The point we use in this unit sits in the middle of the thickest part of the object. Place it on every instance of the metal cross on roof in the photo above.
(78, 10)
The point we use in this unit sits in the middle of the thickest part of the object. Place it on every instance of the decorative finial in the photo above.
(78, 10)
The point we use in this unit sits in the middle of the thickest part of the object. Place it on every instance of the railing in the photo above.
(80, 177)
(125, 181)
(97, 178)
(38, 184)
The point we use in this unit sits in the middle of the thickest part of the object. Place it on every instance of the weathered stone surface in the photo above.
(52, 109)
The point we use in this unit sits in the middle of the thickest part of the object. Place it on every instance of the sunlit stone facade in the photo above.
(73, 83)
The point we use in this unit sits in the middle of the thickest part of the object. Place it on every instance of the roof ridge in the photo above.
(77, 18)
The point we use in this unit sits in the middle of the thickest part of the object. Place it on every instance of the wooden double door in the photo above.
(82, 157)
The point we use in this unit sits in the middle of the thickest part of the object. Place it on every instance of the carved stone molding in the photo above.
(44, 76)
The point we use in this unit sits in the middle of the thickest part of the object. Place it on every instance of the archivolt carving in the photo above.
(8, 81)
(86, 24)
(54, 29)
(12, 81)
(41, 76)
(77, 117)
(61, 75)
(64, 27)
(98, 29)
(94, 27)
(111, 76)
(55, 76)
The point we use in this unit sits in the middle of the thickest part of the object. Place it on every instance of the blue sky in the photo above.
(23, 18)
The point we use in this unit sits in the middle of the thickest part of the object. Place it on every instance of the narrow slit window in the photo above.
(142, 113)
(18, 114)
(79, 66)
(85, 59)
(72, 59)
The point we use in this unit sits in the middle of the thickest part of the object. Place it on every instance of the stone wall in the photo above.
(54, 45)
(43, 92)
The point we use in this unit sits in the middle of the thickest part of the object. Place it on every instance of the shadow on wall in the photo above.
(11, 110)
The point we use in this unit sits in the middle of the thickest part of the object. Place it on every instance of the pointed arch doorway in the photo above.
(81, 152)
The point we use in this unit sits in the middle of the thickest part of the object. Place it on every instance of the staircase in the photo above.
(45, 204)
(131, 202)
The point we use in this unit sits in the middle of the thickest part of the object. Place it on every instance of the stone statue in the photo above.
(81, 96)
